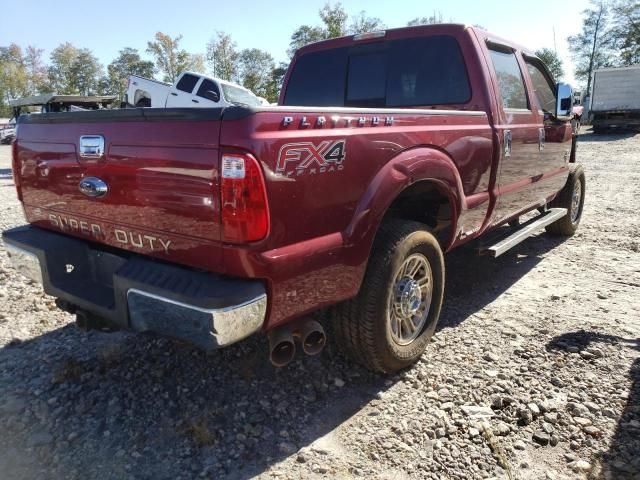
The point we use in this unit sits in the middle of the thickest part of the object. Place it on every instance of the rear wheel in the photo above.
(388, 325)
(570, 197)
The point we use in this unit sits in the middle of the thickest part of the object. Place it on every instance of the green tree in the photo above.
(223, 57)
(37, 80)
(256, 67)
(334, 20)
(592, 48)
(626, 30)
(361, 24)
(86, 72)
(552, 61)
(128, 62)
(433, 19)
(60, 70)
(170, 59)
(276, 78)
(304, 35)
(13, 76)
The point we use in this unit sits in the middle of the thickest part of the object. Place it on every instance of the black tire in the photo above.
(144, 102)
(362, 326)
(568, 224)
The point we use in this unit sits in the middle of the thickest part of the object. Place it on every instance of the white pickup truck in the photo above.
(190, 90)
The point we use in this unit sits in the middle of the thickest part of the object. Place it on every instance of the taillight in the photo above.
(245, 214)
(15, 167)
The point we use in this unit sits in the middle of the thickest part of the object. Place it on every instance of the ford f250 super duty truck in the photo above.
(385, 150)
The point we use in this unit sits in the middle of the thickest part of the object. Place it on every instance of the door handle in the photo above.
(541, 138)
(195, 101)
(174, 94)
(507, 143)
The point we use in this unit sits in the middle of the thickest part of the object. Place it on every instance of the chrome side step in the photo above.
(523, 232)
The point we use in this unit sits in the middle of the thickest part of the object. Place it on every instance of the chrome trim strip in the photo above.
(25, 262)
(372, 111)
(229, 324)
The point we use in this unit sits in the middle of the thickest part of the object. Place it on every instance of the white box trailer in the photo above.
(615, 99)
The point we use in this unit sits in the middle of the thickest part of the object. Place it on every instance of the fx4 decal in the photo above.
(295, 159)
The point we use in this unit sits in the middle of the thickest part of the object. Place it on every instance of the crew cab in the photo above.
(190, 90)
(386, 151)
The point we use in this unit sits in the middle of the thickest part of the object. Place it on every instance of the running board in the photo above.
(524, 231)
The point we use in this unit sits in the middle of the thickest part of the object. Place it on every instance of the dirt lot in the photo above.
(534, 373)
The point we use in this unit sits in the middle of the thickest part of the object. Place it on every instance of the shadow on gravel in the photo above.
(112, 406)
(474, 281)
(5, 174)
(606, 137)
(622, 459)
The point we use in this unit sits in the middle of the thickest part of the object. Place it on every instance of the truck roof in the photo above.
(402, 32)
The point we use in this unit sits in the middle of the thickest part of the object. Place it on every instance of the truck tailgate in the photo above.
(160, 168)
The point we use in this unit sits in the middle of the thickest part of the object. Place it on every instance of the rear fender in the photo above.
(407, 168)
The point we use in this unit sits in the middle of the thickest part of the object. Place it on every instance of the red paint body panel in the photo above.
(164, 180)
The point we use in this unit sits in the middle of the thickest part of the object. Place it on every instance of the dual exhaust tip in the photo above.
(282, 341)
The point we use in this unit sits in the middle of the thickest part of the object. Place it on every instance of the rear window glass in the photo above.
(187, 82)
(318, 79)
(400, 73)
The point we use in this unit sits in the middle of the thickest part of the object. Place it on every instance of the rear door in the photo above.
(181, 94)
(519, 129)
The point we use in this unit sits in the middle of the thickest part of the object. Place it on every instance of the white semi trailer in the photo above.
(615, 99)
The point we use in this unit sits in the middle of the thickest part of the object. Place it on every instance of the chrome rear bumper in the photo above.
(133, 292)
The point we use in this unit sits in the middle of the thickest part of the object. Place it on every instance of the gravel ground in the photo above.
(534, 373)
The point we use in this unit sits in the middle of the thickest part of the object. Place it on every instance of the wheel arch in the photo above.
(421, 172)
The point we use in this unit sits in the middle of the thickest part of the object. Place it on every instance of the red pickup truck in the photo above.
(386, 150)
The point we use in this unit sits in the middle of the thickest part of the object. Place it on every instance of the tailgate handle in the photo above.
(92, 146)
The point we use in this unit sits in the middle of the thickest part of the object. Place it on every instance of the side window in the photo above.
(209, 90)
(543, 88)
(510, 80)
(187, 83)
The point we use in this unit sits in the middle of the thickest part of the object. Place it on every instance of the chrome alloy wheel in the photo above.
(575, 201)
(410, 299)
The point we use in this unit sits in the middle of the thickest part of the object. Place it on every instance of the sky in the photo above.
(107, 27)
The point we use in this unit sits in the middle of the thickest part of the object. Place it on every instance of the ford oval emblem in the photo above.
(93, 187)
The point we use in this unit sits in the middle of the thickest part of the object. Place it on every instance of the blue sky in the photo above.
(106, 27)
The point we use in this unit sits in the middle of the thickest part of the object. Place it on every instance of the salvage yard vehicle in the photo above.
(7, 134)
(190, 90)
(615, 99)
(386, 150)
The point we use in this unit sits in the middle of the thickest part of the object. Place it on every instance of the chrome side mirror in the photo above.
(564, 101)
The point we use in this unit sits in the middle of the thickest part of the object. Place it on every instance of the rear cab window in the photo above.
(187, 83)
(411, 72)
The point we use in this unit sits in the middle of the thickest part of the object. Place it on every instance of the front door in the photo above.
(519, 129)
(181, 94)
(556, 135)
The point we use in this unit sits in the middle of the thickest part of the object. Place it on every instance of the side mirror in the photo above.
(564, 101)
(211, 95)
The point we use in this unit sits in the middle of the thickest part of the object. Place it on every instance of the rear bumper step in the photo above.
(524, 231)
(133, 292)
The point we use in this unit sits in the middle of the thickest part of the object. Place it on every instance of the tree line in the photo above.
(610, 37)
